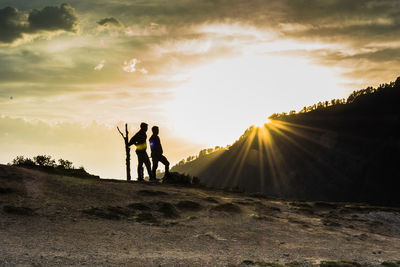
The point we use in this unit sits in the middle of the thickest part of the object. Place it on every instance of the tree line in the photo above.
(356, 94)
(353, 97)
(201, 154)
(47, 163)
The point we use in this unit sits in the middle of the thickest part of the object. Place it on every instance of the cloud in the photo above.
(176, 36)
(100, 65)
(375, 56)
(363, 67)
(53, 18)
(143, 70)
(333, 20)
(129, 65)
(11, 25)
(109, 22)
(14, 24)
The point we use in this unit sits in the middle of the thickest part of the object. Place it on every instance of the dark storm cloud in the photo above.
(359, 29)
(14, 23)
(109, 21)
(53, 18)
(333, 20)
(11, 26)
(338, 11)
(357, 21)
(179, 13)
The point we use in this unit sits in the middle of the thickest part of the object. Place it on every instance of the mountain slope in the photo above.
(346, 152)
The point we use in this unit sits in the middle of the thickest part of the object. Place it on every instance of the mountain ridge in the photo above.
(342, 152)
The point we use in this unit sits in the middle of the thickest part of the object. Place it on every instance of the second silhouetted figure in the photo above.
(157, 152)
(139, 140)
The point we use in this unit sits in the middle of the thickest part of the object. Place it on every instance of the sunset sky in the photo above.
(202, 70)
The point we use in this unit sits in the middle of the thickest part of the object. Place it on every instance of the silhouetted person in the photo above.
(139, 140)
(157, 152)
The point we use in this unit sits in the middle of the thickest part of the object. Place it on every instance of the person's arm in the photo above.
(159, 143)
(152, 143)
(133, 140)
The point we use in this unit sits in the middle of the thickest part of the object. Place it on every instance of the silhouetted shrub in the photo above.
(44, 161)
(181, 179)
(21, 161)
(65, 164)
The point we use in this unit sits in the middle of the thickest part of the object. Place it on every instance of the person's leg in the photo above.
(140, 166)
(146, 161)
(164, 161)
(155, 166)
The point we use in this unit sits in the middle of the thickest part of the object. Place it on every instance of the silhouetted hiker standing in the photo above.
(139, 140)
(157, 152)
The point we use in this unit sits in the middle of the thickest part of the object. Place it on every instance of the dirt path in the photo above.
(78, 222)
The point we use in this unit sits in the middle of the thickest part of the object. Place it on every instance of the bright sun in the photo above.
(222, 99)
(261, 122)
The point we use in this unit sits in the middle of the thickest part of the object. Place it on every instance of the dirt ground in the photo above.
(48, 220)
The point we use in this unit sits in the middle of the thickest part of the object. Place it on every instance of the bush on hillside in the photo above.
(45, 162)
(182, 179)
(21, 161)
(65, 164)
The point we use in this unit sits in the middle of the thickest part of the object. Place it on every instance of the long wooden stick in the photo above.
(127, 151)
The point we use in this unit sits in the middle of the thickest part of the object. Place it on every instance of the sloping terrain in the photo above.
(344, 152)
(48, 220)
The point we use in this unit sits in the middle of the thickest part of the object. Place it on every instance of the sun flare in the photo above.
(221, 99)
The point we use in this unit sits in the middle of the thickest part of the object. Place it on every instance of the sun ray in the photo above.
(244, 153)
(261, 143)
(276, 162)
(279, 130)
(284, 129)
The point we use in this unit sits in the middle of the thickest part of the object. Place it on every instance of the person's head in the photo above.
(143, 126)
(155, 130)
